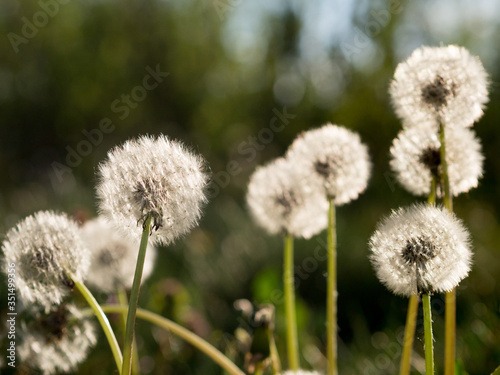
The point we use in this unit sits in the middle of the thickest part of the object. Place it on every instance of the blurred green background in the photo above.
(70, 69)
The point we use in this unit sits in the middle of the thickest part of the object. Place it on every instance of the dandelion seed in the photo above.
(334, 159)
(416, 159)
(421, 249)
(152, 176)
(440, 84)
(281, 204)
(56, 342)
(114, 256)
(46, 248)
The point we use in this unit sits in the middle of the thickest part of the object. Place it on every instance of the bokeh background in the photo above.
(68, 68)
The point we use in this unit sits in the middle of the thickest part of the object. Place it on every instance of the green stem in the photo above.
(183, 333)
(103, 320)
(447, 200)
(450, 300)
(134, 299)
(450, 332)
(432, 195)
(275, 357)
(331, 297)
(258, 369)
(429, 345)
(411, 323)
(291, 317)
(123, 301)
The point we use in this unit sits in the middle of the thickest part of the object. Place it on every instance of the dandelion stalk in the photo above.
(183, 333)
(103, 320)
(411, 323)
(450, 297)
(331, 301)
(411, 315)
(123, 301)
(134, 299)
(275, 357)
(291, 316)
(429, 345)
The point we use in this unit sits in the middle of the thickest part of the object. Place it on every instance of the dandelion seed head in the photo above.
(416, 158)
(333, 159)
(440, 84)
(421, 249)
(114, 256)
(282, 204)
(46, 247)
(56, 342)
(157, 177)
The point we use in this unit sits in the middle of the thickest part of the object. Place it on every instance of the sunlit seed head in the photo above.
(420, 249)
(332, 159)
(57, 341)
(282, 204)
(114, 256)
(440, 84)
(46, 248)
(154, 177)
(416, 158)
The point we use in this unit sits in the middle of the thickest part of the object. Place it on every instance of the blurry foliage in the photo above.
(221, 93)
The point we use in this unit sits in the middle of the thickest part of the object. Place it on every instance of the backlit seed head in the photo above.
(282, 204)
(436, 84)
(420, 249)
(57, 341)
(114, 256)
(157, 177)
(416, 158)
(46, 248)
(332, 159)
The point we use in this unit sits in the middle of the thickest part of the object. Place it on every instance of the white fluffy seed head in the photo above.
(415, 159)
(421, 249)
(56, 342)
(333, 159)
(301, 372)
(282, 204)
(440, 84)
(152, 176)
(114, 256)
(46, 247)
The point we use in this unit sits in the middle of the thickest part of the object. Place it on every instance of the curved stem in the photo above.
(134, 299)
(429, 345)
(411, 323)
(183, 333)
(123, 301)
(103, 320)
(275, 357)
(450, 299)
(331, 297)
(291, 317)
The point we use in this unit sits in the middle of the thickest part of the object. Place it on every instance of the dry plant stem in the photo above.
(450, 299)
(134, 299)
(123, 301)
(184, 334)
(291, 315)
(331, 299)
(103, 320)
(411, 323)
(429, 345)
